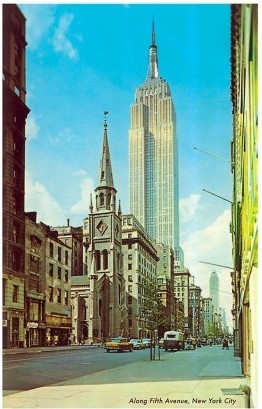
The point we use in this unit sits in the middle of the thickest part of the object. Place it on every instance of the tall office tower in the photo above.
(153, 157)
(214, 290)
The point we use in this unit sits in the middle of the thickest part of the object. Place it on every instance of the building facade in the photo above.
(165, 280)
(181, 291)
(214, 290)
(244, 226)
(153, 157)
(195, 311)
(58, 287)
(73, 238)
(35, 282)
(140, 266)
(207, 308)
(15, 113)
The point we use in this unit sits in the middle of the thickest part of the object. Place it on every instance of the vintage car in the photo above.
(137, 344)
(118, 344)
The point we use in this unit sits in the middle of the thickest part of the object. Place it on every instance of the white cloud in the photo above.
(38, 199)
(39, 19)
(32, 128)
(188, 207)
(211, 245)
(212, 242)
(82, 206)
(80, 172)
(60, 41)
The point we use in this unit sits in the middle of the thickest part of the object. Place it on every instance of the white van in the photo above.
(174, 340)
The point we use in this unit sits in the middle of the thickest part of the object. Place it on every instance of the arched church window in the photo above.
(102, 199)
(108, 199)
(98, 262)
(105, 259)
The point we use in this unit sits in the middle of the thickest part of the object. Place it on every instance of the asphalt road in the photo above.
(32, 370)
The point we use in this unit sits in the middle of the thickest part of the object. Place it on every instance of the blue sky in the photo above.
(83, 59)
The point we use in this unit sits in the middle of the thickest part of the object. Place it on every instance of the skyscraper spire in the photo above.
(153, 33)
(153, 60)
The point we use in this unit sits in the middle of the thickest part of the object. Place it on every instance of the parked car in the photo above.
(161, 343)
(146, 342)
(137, 344)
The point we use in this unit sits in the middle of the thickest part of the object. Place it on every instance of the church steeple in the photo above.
(105, 191)
(153, 60)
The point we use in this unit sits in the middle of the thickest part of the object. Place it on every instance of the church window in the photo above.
(98, 263)
(105, 259)
(102, 199)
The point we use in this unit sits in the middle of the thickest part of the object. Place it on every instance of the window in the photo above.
(98, 264)
(66, 257)
(129, 246)
(15, 293)
(130, 288)
(59, 297)
(15, 260)
(59, 254)
(129, 299)
(59, 273)
(66, 276)
(51, 249)
(34, 283)
(66, 297)
(130, 266)
(51, 270)
(105, 259)
(33, 313)
(4, 290)
(129, 256)
(51, 294)
(130, 278)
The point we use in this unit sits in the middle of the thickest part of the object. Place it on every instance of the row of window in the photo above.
(59, 272)
(57, 295)
(59, 253)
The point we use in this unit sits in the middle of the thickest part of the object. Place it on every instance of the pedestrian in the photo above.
(225, 343)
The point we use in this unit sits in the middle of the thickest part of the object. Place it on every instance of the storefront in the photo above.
(58, 330)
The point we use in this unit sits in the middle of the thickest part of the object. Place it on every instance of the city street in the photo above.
(93, 366)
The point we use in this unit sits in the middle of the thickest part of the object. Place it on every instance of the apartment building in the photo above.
(140, 267)
(35, 282)
(15, 113)
(58, 283)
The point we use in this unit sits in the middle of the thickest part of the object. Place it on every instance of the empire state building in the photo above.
(153, 156)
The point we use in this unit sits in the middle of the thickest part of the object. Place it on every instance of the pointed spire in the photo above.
(91, 204)
(105, 170)
(153, 60)
(119, 209)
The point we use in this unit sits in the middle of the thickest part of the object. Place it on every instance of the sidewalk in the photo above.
(108, 389)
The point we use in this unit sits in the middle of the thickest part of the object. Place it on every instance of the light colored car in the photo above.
(137, 344)
(161, 343)
(146, 342)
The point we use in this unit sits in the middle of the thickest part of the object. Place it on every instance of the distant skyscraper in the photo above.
(214, 290)
(153, 157)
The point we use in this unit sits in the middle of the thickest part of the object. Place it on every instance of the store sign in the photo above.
(32, 325)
